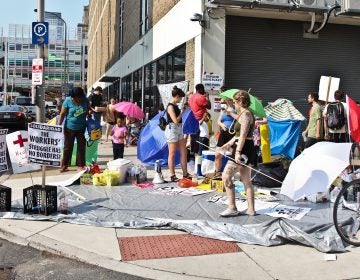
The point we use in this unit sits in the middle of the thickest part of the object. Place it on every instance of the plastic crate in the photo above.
(5, 199)
(33, 200)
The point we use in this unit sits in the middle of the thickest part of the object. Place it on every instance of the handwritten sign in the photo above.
(3, 161)
(45, 142)
(212, 81)
(166, 89)
(18, 147)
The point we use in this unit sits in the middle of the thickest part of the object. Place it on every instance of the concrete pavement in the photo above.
(99, 246)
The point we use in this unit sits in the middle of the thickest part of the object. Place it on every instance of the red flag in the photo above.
(353, 119)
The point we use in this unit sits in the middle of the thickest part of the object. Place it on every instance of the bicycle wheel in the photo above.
(346, 213)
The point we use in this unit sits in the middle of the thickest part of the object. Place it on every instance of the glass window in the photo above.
(160, 67)
(144, 17)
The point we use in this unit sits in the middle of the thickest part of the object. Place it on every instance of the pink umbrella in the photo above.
(129, 109)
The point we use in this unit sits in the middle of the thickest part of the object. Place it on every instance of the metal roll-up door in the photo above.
(274, 59)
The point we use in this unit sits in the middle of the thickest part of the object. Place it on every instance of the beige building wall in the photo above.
(160, 8)
(189, 63)
(102, 37)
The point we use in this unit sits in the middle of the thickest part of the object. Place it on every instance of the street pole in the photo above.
(40, 96)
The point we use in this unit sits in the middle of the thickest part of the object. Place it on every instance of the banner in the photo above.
(3, 161)
(353, 119)
(18, 147)
(45, 144)
(166, 89)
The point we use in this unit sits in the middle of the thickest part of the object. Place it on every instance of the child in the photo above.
(204, 133)
(118, 133)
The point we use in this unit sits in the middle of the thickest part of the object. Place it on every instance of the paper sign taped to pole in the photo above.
(327, 87)
(18, 147)
(3, 160)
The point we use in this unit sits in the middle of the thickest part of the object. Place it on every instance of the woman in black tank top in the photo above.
(174, 134)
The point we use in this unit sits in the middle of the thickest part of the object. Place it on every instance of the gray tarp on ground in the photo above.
(131, 207)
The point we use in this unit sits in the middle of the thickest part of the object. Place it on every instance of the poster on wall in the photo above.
(327, 87)
(166, 89)
(45, 143)
(212, 81)
(18, 147)
(3, 161)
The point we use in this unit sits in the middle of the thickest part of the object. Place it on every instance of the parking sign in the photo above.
(40, 33)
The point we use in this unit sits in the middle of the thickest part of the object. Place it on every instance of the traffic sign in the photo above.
(37, 71)
(40, 33)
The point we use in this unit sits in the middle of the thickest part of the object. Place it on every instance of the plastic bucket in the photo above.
(121, 165)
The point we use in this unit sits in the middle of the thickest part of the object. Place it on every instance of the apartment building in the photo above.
(64, 62)
(276, 48)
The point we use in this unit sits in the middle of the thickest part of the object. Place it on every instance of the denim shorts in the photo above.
(174, 132)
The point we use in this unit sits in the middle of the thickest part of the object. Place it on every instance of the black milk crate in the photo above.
(5, 199)
(33, 200)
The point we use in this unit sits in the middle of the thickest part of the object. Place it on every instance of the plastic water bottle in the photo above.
(64, 206)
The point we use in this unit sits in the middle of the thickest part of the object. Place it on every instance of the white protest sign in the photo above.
(3, 161)
(18, 147)
(212, 81)
(327, 88)
(166, 89)
(45, 143)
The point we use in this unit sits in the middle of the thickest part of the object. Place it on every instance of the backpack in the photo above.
(162, 121)
(335, 115)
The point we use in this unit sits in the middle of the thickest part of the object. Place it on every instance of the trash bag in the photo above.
(274, 169)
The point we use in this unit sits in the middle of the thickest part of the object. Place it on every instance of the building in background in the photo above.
(276, 48)
(17, 53)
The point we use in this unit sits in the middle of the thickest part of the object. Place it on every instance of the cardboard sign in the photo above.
(18, 147)
(166, 89)
(327, 88)
(3, 161)
(45, 142)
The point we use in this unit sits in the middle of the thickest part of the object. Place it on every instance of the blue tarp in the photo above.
(152, 143)
(284, 136)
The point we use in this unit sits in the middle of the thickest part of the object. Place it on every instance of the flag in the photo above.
(353, 119)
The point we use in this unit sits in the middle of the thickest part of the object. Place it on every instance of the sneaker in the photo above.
(229, 213)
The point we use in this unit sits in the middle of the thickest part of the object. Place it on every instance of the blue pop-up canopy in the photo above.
(284, 136)
(152, 143)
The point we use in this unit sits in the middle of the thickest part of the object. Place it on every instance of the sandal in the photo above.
(173, 178)
(64, 169)
(187, 176)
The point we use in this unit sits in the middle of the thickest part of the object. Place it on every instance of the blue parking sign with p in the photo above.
(40, 33)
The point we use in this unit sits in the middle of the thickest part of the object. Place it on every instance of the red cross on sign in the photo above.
(20, 141)
(37, 68)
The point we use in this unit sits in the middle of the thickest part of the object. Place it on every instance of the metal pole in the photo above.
(40, 96)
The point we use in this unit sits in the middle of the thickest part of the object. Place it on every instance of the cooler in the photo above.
(208, 162)
(120, 164)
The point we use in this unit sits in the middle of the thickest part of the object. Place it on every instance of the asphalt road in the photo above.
(23, 262)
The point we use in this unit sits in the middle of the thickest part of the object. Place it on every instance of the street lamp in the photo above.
(65, 48)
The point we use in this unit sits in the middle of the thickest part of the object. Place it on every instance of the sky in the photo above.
(22, 11)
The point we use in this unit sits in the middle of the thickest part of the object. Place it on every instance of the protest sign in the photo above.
(18, 147)
(166, 89)
(45, 142)
(3, 161)
(212, 81)
(327, 88)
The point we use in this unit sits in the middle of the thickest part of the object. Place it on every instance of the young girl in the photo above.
(118, 133)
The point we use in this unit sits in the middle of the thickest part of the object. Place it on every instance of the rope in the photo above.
(253, 169)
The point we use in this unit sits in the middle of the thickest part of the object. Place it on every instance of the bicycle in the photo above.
(346, 213)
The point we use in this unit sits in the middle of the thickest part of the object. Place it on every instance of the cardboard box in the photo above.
(217, 185)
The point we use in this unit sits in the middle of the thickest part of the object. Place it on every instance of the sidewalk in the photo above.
(99, 246)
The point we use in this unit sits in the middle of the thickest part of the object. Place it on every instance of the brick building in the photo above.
(278, 48)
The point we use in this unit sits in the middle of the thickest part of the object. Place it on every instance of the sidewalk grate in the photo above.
(170, 246)
(5, 272)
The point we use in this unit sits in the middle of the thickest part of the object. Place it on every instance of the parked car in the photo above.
(14, 117)
(26, 102)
